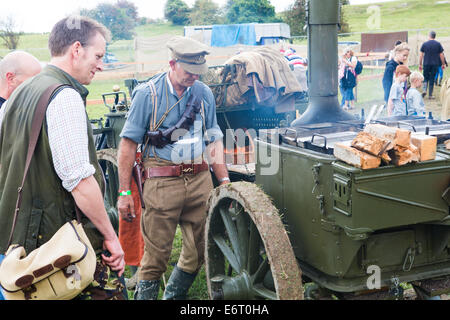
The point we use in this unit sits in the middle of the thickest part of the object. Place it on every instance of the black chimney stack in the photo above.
(323, 17)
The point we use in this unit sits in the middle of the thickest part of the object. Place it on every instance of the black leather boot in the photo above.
(178, 285)
(147, 290)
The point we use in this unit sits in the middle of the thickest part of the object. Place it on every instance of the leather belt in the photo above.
(175, 171)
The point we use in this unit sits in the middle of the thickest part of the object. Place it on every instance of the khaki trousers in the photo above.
(170, 201)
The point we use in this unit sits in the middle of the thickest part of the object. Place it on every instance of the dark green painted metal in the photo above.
(341, 219)
(237, 243)
(323, 82)
(117, 121)
(323, 12)
(108, 161)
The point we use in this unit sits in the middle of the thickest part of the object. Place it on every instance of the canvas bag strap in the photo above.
(36, 126)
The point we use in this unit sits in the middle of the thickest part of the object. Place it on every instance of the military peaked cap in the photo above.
(189, 53)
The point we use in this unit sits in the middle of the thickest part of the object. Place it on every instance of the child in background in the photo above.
(401, 54)
(414, 99)
(397, 99)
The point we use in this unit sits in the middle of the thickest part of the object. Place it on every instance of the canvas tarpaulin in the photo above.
(264, 76)
(228, 35)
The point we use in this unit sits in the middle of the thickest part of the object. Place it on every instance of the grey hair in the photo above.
(72, 29)
(171, 55)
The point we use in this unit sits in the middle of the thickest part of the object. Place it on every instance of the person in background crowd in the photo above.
(391, 53)
(397, 98)
(15, 68)
(401, 54)
(347, 78)
(414, 100)
(440, 73)
(431, 57)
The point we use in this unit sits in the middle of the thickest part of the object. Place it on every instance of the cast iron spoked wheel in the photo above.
(107, 159)
(248, 254)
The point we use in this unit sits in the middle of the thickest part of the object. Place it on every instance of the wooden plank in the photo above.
(375, 67)
(371, 144)
(400, 155)
(415, 152)
(355, 157)
(427, 146)
(397, 136)
(370, 77)
(385, 158)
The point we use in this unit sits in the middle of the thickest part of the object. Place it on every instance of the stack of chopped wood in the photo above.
(379, 144)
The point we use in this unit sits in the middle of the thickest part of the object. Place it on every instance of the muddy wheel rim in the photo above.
(248, 253)
(107, 159)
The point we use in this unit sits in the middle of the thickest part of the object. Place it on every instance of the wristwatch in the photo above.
(224, 179)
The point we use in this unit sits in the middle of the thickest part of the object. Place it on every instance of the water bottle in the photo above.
(1, 295)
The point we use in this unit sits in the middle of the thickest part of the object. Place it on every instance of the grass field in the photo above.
(394, 16)
(400, 15)
(198, 291)
(159, 29)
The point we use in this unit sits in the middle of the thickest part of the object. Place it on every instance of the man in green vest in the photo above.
(64, 171)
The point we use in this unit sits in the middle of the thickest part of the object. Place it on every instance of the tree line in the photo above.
(207, 12)
(122, 17)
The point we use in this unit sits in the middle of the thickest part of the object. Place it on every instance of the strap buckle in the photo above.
(187, 170)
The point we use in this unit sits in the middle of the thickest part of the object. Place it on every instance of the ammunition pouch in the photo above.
(161, 138)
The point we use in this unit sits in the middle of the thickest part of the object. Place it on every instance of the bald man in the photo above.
(15, 68)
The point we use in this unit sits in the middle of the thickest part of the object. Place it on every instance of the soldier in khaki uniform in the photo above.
(178, 180)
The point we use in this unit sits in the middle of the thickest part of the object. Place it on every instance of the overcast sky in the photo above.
(40, 16)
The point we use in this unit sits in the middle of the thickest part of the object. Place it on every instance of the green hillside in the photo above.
(36, 43)
(402, 15)
(394, 16)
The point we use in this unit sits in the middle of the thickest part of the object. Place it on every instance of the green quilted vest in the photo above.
(46, 205)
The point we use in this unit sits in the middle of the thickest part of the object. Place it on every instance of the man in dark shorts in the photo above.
(431, 57)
